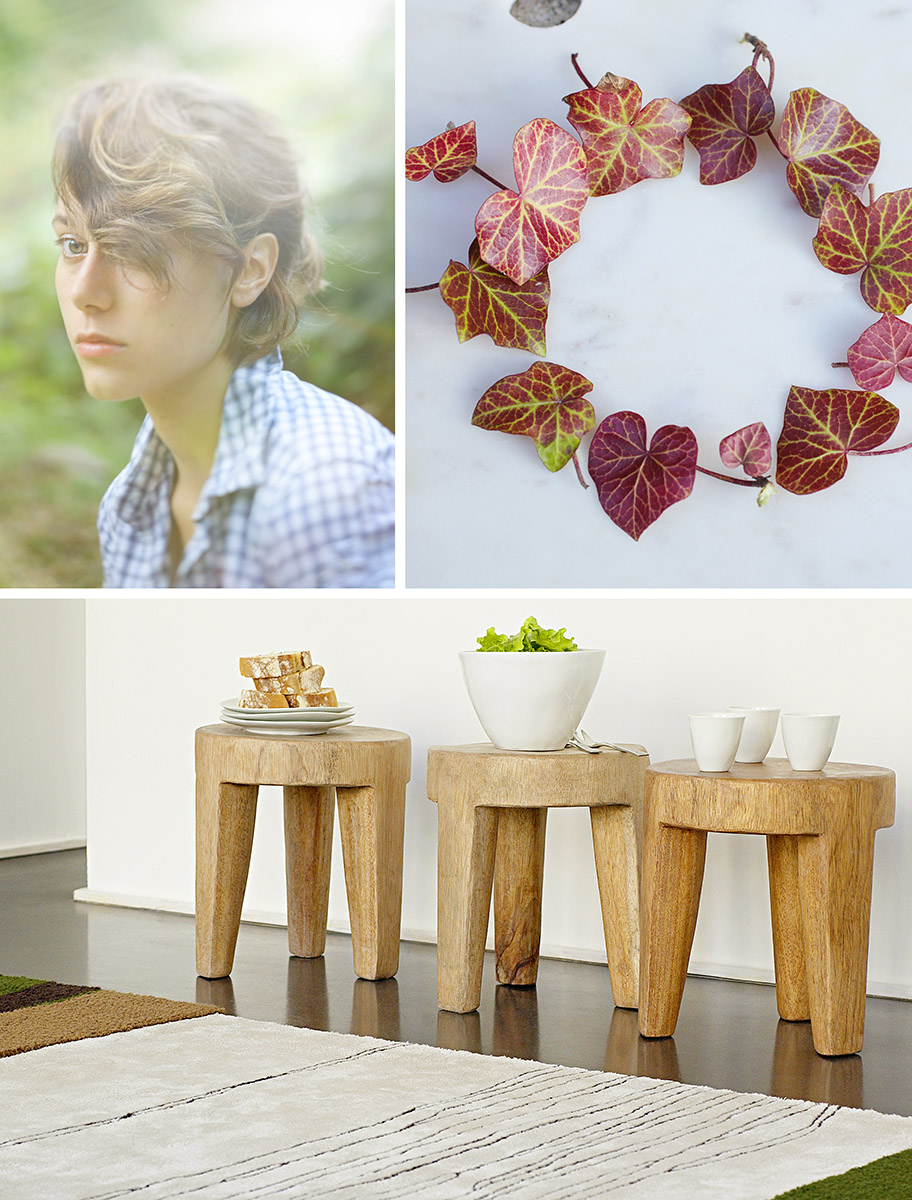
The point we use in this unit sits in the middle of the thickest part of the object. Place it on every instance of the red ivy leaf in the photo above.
(824, 145)
(484, 301)
(725, 119)
(821, 428)
(883, 348)
(878, 238)
(635, 484)
(520, 233)
(544, 403)
(750, 448)
(625, 144)
(449, 155)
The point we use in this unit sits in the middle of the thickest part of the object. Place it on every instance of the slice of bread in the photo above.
(294, 684)
(269, 666)
(263, 700)
(324, 698)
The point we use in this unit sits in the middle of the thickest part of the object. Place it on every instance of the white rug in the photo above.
(218, 1107)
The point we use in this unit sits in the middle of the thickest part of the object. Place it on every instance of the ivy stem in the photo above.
(845, 364)
(578, 69)
(490, 178)
(892, 450)
(425, 287)
(579, 472)
(758, 481)
(761, 50)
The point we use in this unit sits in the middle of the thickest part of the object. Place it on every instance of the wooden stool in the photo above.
(819, 828)
(368, 768)
(495, 802)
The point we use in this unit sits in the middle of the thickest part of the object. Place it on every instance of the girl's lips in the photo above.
(97, 349)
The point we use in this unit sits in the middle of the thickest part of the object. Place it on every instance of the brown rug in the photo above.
(36, 1013)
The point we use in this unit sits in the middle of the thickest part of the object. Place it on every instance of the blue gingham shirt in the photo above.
(301, 495)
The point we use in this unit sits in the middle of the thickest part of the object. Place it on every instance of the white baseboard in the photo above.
(91, 896)
(741, 974)
(248, 916)
(40, 848)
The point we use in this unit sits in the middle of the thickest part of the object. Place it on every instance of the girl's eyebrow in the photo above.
(59, 218)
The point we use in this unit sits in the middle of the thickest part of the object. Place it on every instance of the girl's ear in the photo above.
(262, 254)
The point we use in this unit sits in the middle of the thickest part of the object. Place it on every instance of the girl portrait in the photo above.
(223, 411)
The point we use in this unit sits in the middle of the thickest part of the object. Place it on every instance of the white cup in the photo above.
(714, 737)
(808, 739)
(759, 731)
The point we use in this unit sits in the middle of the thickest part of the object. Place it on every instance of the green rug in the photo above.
(887, 1178)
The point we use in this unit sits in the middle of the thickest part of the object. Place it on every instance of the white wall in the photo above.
(158, 668)
(42, 725)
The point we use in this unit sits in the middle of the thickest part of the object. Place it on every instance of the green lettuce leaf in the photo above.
(530, 637)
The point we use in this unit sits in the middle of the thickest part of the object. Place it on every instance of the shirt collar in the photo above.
(240, 456)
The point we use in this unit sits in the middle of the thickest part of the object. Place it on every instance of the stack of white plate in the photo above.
(287, 721)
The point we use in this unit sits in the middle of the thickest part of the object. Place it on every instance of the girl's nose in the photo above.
(92, 282)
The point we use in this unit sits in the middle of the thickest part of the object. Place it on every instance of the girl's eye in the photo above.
(70, 247)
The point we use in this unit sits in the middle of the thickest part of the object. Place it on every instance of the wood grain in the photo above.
(614, 842)
(820, 828)
(518, 874)
(466, 843)
(835, 874)
(369, 769)
(492, 806)
(788, 937)
(225, 814)
(308, 857)
(673, 861)
(371, 826)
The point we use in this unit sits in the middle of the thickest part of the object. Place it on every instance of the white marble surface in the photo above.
(692, 305)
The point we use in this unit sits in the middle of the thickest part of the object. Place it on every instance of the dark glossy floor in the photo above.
(728, 1034)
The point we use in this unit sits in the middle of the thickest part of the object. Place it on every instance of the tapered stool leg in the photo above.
(614, 842)
(371, 826)
(466, 839)
(835, 874)
(224, 836)
(518, 871)
(308, 858)
(788, 936)
(673, 861)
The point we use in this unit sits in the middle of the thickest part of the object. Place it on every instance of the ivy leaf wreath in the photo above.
(503, 290)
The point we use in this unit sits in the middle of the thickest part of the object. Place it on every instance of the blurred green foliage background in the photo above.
(327, 71)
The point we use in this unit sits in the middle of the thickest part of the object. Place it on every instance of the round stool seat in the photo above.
(347, 755)
(567, 778)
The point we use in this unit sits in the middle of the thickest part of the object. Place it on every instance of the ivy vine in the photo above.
(503, 289)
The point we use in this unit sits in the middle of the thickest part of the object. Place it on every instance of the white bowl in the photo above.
(530, 700)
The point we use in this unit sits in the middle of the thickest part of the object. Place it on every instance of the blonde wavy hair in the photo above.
(152, 166)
